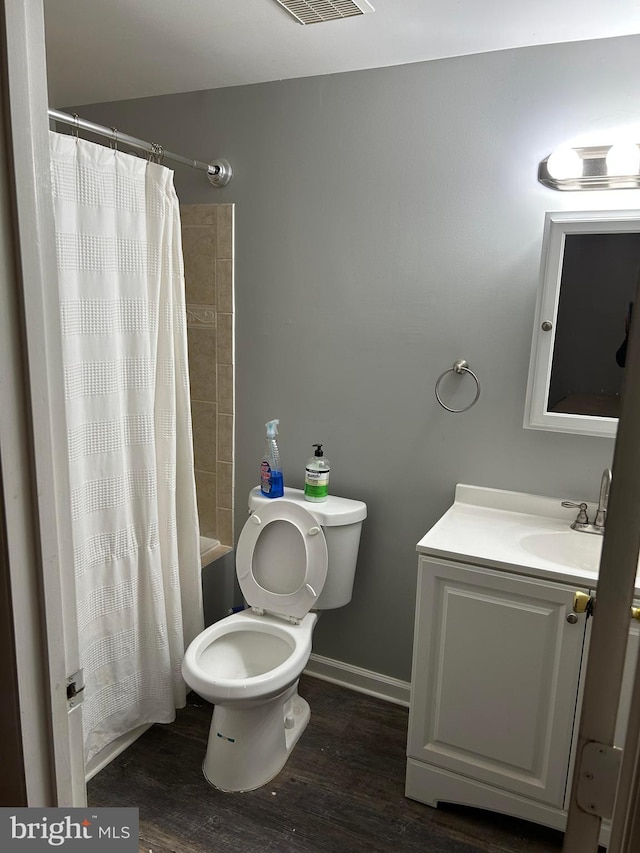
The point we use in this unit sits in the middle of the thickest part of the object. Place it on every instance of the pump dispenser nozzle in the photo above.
(272, 428)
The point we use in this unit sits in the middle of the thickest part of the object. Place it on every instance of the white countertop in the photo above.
(526, 534)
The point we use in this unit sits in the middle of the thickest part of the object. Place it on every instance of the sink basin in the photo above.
(518, 532)
(566, 547)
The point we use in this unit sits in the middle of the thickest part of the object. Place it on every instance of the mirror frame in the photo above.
(557, 226)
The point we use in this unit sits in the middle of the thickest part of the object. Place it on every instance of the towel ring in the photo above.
(460, 367)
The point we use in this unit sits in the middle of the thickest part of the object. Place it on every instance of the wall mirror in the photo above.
(589, 274)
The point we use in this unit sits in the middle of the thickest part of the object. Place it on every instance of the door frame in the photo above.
(610, 630)
(33, 436)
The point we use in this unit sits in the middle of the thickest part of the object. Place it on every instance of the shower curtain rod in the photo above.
(219, 172)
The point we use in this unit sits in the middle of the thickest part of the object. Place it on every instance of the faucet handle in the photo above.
(582, 514)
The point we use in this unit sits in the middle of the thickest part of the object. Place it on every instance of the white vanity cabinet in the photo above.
(496, 673)
(500, 657)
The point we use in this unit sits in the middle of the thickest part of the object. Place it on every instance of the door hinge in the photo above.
(75, 689)
(598, 778)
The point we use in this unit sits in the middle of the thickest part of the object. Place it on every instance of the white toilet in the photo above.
(293, 558)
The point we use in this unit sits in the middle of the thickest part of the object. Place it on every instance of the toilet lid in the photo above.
(281, 559)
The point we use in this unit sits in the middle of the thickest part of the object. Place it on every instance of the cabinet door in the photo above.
(495, 678)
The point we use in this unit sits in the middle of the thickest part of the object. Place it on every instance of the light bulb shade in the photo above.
(623, 158)
(565, 163)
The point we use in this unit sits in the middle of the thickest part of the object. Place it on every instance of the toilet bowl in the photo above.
(248, 664)
(245, 657)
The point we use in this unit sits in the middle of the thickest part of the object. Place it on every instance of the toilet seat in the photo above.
(282, 569)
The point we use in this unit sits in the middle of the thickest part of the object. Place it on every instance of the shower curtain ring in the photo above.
(76, 131)
(114, 146)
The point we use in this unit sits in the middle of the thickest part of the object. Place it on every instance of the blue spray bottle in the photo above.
(271, 482)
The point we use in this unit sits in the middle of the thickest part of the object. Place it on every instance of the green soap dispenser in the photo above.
(316, 477)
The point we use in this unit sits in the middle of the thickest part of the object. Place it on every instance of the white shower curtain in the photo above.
(135, 525)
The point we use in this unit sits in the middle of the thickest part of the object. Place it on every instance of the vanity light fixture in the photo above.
(597, 167)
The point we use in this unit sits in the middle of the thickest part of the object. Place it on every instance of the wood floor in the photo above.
(342, 791)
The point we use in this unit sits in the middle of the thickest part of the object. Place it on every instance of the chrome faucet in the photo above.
(603, 501)
(581, 523)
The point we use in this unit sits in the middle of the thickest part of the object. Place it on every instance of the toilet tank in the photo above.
(341, 521)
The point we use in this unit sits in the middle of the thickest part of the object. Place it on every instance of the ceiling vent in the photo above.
(318, 11)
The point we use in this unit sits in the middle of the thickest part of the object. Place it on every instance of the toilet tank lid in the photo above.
(333, 512)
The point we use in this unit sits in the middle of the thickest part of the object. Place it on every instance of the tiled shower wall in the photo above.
(207, 242)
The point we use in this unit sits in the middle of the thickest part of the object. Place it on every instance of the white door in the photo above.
(625, 714)
(33, 438)
(496, 670)
(609, 637)
(625, 836)
(626, 688)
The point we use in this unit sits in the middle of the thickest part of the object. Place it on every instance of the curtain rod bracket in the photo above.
(220, 172)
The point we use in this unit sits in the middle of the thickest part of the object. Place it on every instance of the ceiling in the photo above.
(109, 50)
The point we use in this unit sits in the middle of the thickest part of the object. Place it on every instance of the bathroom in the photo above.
(387, 222)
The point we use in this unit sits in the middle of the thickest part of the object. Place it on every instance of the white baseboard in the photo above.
(360, 680)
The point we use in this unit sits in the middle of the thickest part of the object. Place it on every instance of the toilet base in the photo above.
(249, 746)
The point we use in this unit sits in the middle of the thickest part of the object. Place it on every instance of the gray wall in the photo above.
(389, 222)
